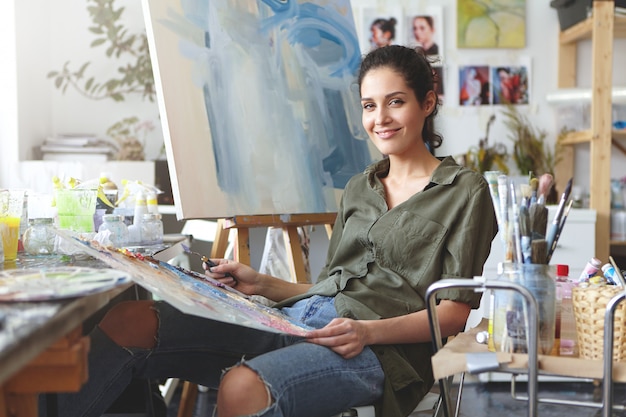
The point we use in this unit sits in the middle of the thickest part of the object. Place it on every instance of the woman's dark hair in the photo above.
(418, 74)
(386, 25)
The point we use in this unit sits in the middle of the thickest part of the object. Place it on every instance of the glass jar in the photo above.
(39, 237)
(114, 223)
(510, 316)
(151, 229)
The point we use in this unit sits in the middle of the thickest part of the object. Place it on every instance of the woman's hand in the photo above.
(234, 274)
(345, 337)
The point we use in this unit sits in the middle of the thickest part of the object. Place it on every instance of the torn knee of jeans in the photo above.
(268, 387)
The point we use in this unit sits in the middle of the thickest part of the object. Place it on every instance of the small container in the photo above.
(39, 236)
(151, 229)
(510, 325)
(119, 231)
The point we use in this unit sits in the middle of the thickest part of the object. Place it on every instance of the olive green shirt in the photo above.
(380, 262)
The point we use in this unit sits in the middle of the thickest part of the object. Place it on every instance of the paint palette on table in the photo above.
(191, 292)
(36, 284)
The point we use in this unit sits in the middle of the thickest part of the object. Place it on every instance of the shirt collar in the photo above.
(444, 174)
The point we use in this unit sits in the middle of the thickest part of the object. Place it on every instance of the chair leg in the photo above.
(188, 399)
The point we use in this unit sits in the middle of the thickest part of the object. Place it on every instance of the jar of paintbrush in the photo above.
(511, 323)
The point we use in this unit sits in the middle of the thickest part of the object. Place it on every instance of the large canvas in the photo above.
(258, 102)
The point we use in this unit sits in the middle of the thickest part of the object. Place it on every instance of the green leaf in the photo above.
(97, 42)
(58, 82)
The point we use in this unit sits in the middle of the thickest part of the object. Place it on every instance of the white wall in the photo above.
(48, 34)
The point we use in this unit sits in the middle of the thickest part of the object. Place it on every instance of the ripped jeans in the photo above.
(304, 379)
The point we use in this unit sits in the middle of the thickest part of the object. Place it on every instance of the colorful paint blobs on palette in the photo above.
(57, 283)
(261, 103)
(193, 293)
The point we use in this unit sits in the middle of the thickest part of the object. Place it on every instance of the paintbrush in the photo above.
(545, 183)
(558, 232)
(556, 222)
(202, 257)
(534, 185)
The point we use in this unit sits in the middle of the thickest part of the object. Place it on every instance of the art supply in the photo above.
(539, 251)
(39, 236)
(556, 222)
(545, 184)
(538, 214)
(203, 258)
(492, 180)
(591, 268)
(534, 185)
(568, 343)
(114, 223)
(610, 274)
(503, 195)
(517, 247)
(525, 234)
(11, 209)
(552, 248)
(618, 271)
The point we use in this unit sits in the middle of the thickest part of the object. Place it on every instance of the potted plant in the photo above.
(134, 77)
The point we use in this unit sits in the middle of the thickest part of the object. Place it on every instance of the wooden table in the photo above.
(42, 348)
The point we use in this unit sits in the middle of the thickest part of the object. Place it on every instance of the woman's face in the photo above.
(422, 31)
(379, 37)
(392, 116)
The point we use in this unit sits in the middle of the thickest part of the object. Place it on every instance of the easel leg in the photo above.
(294, 254)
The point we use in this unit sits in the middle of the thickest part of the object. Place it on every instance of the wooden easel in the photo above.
(288, 223)
(242, 225)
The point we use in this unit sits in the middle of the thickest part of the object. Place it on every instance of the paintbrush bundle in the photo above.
(523, 223)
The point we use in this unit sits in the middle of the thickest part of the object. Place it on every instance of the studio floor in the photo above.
(486, 398)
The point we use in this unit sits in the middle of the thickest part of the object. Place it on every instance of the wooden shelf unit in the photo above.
(602, 27)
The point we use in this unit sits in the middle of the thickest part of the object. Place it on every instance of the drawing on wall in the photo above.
(259, 105)
(491, 23)
(474, 85)
(380, 28)
(425, 29)
(510, 84)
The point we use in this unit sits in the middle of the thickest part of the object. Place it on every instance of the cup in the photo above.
(511, 318)
(76, 208)
(11, 207)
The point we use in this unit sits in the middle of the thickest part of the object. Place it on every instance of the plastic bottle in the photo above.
(568, 340)
(592, 268)
(141, 208)
(152, 203)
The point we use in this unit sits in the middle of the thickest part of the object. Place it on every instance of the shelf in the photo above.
(584, 29)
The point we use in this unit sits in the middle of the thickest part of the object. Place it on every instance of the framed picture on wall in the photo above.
(380, 27)
(510, 84)
(495, 24)
(474, 85)
(425, 29)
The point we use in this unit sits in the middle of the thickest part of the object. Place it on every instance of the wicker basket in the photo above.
(589, 308)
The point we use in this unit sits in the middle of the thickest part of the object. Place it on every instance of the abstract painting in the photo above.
(491, 23)
(258, 102)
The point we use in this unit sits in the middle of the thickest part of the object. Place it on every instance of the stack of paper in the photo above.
(76, 147)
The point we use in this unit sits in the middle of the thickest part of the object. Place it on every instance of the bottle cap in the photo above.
(562, 270)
